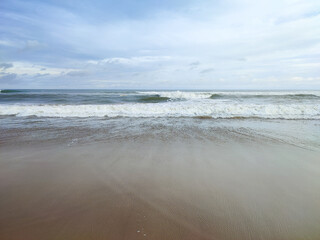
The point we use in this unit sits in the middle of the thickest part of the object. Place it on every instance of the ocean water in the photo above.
(75, 117)
(136, 104)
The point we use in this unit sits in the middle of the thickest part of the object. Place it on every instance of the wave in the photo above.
(159, 96)
(180, 94)
(216, 96)
(169, 109)
(269, 96)
(10, 91)
(230, 94)
(82, 98)
(153, 99)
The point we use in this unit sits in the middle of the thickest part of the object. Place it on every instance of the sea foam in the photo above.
(169, 109)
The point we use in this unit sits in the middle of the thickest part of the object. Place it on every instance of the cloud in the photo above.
(207, 70)
(152, 45)
(32, 45)
(7, 77)
(7, 43)
(29, 68)
(194, 64)
(131, 60)
(77, 73)
(305, 79)
(5, 66)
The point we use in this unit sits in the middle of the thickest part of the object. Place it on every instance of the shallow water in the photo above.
(73, 131)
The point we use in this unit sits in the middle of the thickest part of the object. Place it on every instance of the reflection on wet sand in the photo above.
(160, 190)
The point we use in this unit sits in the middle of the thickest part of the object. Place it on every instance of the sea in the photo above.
(128, 103)
(87, 115)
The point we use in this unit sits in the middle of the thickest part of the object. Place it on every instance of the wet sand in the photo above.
(154, 189)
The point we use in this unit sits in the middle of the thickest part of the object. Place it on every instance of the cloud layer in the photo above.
(233, 44)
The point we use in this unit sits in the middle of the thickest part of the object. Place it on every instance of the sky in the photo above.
(167, 44)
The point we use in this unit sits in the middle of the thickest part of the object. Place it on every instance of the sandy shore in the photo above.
(159, 190)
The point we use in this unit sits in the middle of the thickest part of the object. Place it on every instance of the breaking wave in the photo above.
(231, 95)
(200, 109)
(180, 94)
(153, 99)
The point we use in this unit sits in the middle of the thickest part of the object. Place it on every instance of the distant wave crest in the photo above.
(10, 91)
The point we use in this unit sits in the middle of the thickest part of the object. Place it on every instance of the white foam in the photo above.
(207, 94)
(180, 94)
(267, 93)
(169, 109)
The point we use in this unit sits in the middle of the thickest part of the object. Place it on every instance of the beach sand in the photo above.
(158, 189)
